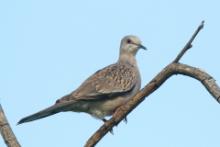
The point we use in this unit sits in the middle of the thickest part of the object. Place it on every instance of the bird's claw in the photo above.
(111, 130)
(125, 120)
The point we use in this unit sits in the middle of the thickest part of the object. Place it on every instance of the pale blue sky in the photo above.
(49, 47)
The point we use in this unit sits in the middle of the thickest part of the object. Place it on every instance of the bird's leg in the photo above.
(104, 120)
(111, 131)
(126, 120)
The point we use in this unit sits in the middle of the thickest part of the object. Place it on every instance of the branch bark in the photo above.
(6, 131)
(189, 43)
(172, 69)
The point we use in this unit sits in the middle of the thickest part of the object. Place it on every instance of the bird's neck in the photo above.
(127, 58)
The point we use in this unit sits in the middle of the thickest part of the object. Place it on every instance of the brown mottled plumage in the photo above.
(103, 92)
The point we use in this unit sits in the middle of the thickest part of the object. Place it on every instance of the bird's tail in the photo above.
(58, 107)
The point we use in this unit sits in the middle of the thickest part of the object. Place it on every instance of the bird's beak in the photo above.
(143, 47)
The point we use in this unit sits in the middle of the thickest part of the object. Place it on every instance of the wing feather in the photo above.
(117, 78)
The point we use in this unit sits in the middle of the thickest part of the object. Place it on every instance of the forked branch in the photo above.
(154, 84)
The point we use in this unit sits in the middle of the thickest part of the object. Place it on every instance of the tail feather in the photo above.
(59, 107)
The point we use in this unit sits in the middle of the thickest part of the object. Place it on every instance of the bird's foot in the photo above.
(125, 120)
(111, 131)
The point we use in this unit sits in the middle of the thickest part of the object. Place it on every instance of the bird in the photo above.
(106, 90)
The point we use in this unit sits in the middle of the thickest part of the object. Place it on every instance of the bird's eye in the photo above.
(128, 41)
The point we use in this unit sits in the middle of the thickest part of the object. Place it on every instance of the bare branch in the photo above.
(207, 80)
(168, 71)
(189, 43)
(6, 131)
(172, 69)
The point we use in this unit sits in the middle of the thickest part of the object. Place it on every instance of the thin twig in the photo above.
(189, 43)
(6, 131)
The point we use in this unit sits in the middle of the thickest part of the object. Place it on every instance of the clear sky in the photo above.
(47, 48)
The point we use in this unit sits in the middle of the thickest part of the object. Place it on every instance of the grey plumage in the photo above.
(103, 92)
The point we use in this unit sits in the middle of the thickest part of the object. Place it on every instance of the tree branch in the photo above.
(6, 131)
(171, 69)
(189, 43)
(154, 84)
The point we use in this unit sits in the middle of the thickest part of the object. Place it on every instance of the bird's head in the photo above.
(130, 45)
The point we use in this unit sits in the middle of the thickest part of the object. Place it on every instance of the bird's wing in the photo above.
(114, 79)
(117, 78)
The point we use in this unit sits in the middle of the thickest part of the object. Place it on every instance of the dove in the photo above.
(106, 90)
